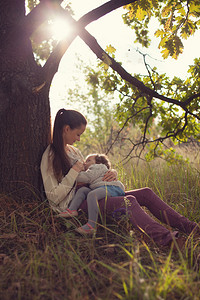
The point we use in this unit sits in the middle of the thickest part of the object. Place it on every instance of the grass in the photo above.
(41, 257)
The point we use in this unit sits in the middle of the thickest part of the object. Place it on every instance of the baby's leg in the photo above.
(93, 207)
(79, 197)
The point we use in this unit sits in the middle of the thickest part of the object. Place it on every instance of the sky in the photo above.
(110, 29)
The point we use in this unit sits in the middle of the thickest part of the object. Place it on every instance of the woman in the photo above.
(61, 164)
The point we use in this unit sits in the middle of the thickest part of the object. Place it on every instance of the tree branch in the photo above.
(124, 125)
(143, 142)
(102, 10)
(187, 101)
(52, 63)
(38, 15)
(51, 66)
(102, 55)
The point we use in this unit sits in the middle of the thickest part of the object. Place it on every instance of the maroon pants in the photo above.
(131, 204)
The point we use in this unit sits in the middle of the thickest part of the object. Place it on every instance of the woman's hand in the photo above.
(111, 175)
(78, 166)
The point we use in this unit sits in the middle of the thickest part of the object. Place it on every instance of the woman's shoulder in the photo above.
(45, 161)
(47, 156)
(47, 151)
(72, 148)
(74, 151)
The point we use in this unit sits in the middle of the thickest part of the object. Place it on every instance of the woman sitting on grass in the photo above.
(96, 166)
(61, 164)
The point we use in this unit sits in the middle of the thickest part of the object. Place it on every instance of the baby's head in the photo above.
(97, 159)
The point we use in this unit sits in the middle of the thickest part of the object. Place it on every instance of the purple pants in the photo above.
(132, 203)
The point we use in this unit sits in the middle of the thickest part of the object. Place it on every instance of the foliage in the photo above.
(99, 108)
(43, 42)
(24, 87)
(135, 108)
(31, 4)
(176, 20)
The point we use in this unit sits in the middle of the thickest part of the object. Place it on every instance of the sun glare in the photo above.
(61, 29)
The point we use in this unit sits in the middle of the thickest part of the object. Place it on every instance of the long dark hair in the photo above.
(61, 162)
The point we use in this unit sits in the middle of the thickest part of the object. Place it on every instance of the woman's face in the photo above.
(70, 136)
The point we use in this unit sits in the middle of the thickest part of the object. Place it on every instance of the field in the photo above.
(41, 257)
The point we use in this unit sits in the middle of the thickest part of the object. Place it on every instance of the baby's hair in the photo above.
(101, 159)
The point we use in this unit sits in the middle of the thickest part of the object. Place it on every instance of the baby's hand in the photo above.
(78, 166)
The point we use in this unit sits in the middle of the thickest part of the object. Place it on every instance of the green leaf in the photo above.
(140, 14)
(110, 49)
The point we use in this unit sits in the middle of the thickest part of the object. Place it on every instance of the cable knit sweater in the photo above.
(59, 194)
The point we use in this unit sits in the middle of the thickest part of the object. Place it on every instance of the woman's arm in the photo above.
(111, 175)
(55, 191)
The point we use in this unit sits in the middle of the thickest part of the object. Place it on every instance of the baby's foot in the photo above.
(68, 213)
(86, 229)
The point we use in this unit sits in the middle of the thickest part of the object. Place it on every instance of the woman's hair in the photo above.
(61, 162)
(101, 159)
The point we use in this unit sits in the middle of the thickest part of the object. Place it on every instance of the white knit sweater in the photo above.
(59, 194)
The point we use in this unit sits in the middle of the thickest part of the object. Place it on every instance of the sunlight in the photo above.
(60, 29)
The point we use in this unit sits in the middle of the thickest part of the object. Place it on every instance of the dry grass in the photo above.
(41, 257)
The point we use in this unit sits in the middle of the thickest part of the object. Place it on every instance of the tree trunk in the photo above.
(24, 114)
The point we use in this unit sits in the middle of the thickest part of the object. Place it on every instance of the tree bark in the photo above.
(24, 89)
(24, 115)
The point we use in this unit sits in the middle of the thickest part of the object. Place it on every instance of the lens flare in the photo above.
(61, 29)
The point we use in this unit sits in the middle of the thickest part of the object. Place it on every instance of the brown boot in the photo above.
(178, 244)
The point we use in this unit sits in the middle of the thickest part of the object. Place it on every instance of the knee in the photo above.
(148, 196)
(130, 201)
(141, 191)
(147, 190)
(91, 196)
(83, 190)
